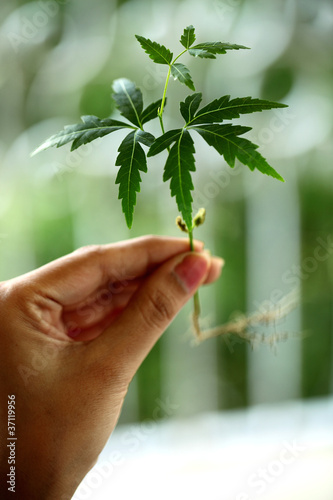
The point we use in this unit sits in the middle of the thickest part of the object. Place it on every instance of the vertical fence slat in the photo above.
(317, 286)
(231, 297)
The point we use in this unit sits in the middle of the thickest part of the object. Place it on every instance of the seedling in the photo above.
(211, 122)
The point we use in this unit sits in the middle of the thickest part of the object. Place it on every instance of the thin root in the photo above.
(243, 324)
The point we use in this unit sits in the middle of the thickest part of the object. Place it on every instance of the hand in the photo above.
(73, 334)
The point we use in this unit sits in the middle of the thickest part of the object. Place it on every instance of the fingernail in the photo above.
(191, 271)
(219, 262)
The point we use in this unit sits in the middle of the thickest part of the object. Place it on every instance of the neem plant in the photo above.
(208, 121)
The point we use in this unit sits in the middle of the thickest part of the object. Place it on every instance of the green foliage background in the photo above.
(57, 62)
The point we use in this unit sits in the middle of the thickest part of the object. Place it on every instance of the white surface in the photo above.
(268, 453)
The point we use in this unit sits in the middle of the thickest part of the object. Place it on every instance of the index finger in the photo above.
(76, 276)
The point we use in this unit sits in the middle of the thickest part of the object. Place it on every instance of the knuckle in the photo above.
(14, 296)
(13, 293)
(90, 253)
(90, 250)
(148, 239)
(159, 309)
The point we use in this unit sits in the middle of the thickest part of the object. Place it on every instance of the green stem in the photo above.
(190, 235)
(160, 113)
(173, 62)
(196, 299)
(196, 305)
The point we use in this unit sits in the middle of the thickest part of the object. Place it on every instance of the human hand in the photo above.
(73, 334)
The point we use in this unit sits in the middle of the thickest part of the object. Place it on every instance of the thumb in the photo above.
(153, 307)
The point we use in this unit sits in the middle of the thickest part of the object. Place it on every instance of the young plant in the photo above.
(211, 122)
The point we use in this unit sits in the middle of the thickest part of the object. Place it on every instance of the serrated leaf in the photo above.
(151, 111)
(226, 109)
(82, 133)
(181, 72)
(132, 160)
(188, 37)
(164, 141)
(177, 169)
(128, 100)
(204, 54)
(144, 137)
(225, 139)
(189, 107)
(158, 53)
(201, 49)
(220, 137)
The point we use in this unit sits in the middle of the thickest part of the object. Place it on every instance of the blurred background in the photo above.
(57, 62)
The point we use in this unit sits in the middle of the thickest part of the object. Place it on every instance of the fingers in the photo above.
(215, 270)
(88, 320)
(80, 275)
(152, 308)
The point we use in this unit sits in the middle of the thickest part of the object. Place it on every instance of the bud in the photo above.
(200, 217)
(181, 224)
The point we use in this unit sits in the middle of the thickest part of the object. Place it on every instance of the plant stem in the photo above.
(160, 114)
(179, 55)
(196, 300)
(161, 123)
(190, 235)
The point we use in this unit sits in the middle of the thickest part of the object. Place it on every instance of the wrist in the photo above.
(30, 479)
(31, 470)
(43, 472)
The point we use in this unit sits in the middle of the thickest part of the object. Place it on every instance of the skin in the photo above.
(73, 334)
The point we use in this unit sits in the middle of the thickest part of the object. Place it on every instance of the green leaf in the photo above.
(82, 133)
(188, 37)
(226, 109)
(220, 137)
(151, 111)
(164, 141)
(189, 107)
(212, 48)
(182, 73)
(177, 169)
(158, 53)
(128, 100)
(225, 139)
(131, 159)
(144, 137)
(204, 54)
